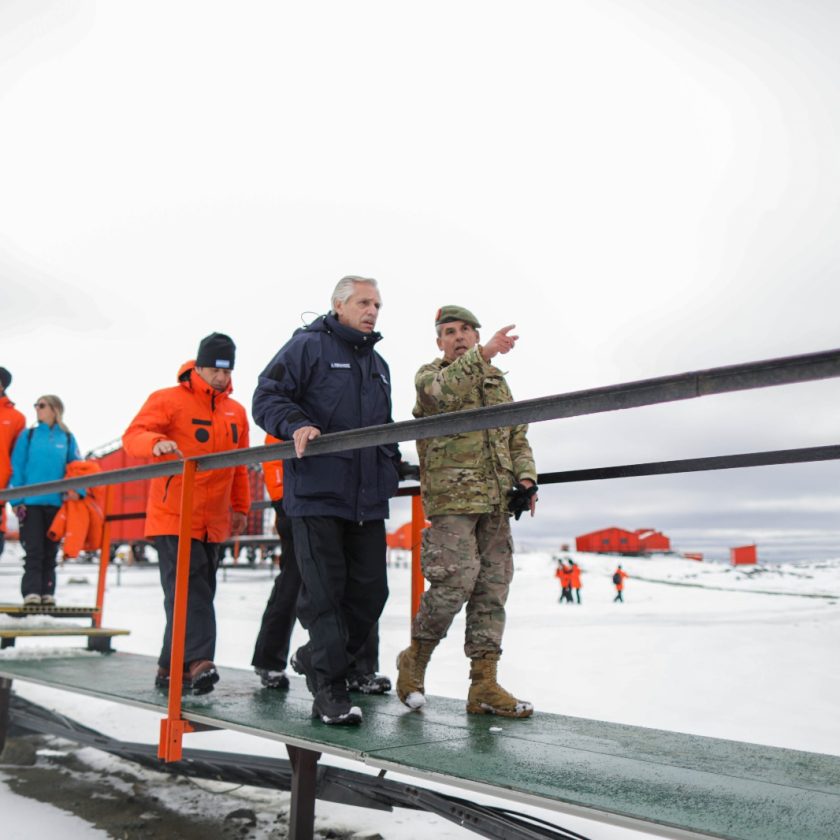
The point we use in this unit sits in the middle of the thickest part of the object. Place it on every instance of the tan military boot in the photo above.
(487, 697)
(411, 665)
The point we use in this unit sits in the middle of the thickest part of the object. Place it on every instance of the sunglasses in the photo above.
(41, 405)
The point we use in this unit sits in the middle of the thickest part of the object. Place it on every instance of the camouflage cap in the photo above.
(455, 313)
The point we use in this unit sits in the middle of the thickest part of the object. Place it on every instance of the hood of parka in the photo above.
(188, 378)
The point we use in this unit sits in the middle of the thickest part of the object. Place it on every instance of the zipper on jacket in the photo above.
(166, 487)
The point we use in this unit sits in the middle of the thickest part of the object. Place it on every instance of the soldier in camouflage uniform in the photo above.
(466, 479)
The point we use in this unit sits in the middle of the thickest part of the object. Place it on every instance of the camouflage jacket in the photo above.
(470, 472)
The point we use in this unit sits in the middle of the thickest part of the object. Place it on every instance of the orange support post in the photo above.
(418, 584)
(104, 556)
(172, 728)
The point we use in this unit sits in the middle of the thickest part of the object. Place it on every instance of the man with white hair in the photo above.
(328, 378)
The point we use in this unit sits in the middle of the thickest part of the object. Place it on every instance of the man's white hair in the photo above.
(346, 286)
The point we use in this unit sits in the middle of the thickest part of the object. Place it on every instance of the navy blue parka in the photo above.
(328, 375)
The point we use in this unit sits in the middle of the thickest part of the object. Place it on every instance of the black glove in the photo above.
(20, 513)
(520, 499)
(408, 471)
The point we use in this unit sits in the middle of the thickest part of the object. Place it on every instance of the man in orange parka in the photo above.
(195, 417)
(575, 579)
(618, 579)
(12, 423)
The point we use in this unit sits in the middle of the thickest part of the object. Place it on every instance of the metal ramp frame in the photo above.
(665, 783)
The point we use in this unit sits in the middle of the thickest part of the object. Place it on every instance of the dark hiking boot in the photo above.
(368, 683)
(162, 680)
(301, 663)
(273, 679)
(332, 705)
(203, 676)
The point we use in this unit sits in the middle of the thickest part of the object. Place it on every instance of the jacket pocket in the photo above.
(388, 478)
(324, 476)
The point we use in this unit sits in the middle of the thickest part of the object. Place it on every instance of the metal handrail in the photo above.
(788, 370)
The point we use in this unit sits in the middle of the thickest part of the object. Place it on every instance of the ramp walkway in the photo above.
(98, 638)
(665, 783)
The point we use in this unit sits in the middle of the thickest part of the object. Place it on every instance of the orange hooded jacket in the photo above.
(79, 522)
(201, 421)
(273, 474)
(12, 423)
(620, 585)
(575, 577)
(564, 574)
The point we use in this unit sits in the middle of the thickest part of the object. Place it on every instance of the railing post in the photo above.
(104, 555)
(418, 584)
(172, 727)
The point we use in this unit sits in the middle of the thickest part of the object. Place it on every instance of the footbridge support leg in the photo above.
(5, 702)
(302, 812)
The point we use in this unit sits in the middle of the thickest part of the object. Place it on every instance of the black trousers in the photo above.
(41, 551)
(200, 637)
(344, 587)
(271, 650)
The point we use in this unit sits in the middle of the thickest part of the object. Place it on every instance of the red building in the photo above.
(744, 555)
(620, 541)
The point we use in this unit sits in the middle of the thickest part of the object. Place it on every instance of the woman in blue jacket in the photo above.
(41, 454)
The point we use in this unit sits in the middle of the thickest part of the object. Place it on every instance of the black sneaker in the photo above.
(302, 664)
(273, 679)
(332, 706)
(162, 680)
(368, 683)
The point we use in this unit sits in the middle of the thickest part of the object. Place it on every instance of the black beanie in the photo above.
(5, 378)
(216, 351)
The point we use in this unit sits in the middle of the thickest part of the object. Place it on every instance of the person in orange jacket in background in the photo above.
(574, 579)
(618, 579)
(271, 651)
(12, 423)
(80, 519)
(564, 575)
(195, 417)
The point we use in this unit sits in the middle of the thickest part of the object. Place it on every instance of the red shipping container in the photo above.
(128, 498)
(745, 555)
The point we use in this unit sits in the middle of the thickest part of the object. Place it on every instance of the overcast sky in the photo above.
(643, 187)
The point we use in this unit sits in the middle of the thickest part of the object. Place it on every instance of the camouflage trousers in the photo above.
(466, 558)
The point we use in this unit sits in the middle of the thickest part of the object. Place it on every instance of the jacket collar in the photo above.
(189, 379)
(354, 337)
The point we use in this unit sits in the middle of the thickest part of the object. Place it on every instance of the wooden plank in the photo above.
(666, 783)
(13, 632)
(59, 612)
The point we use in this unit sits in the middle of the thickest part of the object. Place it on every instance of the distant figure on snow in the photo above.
(618, 579)
(575, 580)
(564, 575)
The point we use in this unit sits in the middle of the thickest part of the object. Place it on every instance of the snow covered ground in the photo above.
(741, 653)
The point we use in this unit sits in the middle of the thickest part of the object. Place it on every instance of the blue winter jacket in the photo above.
(328, 375)
(41, 454)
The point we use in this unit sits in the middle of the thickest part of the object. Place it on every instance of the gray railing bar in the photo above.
(715, 462)
(721, 380)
